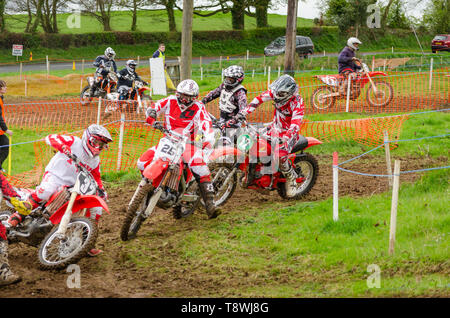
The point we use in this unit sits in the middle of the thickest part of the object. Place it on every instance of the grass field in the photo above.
(152, 21)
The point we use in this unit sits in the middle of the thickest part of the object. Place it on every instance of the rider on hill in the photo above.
(104, 64)
(61, 171)
(126, 78)
(346, 60)
(184, 114)
(288, 117)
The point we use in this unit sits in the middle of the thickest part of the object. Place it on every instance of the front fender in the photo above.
(312, 142)
(81, 202)
(155, 171)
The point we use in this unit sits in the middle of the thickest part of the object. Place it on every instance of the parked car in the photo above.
(303, 46)
(441, 42)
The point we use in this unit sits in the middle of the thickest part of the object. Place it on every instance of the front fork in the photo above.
(61, 232)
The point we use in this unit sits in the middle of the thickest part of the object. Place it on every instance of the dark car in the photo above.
(303, 46)
(441, 42)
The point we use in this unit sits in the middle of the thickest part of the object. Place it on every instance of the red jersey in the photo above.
(189, 122)
(288, 117)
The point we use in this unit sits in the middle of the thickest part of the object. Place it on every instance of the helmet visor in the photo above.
(186, 99)
(97, 143)
(230, 80)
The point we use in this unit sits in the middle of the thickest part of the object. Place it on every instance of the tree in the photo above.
(436, 16)
(261, 7)
(169, 6)
(397, 18)
(99, 9)
(186, 40)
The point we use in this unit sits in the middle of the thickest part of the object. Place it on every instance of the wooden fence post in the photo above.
(335, 187)
(388, 156)
(394, 205)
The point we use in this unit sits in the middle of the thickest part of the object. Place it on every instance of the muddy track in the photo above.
(112, 275)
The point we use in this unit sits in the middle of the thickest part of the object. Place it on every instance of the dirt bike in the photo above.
(60, 227)
(106, 91)
(251, 163)
(379, 94)
(167, 183)
(137, 100)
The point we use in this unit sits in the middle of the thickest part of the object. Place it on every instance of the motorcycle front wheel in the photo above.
(80, 238)
(384, 95)
(135, 215)
(319, 101)
(85, 96)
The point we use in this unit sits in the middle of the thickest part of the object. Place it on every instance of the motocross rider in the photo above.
(126, 78)
(184, 114)
(104, 64)
(233, 96)
(61, 171)
(346, 61)
(6, 275)
(288, 117)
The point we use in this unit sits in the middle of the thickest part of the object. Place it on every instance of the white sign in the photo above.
(158, 76)
(17, 50)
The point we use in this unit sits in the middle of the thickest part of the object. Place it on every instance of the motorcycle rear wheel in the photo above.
(81, 235)
(306, 165)
(219, 173)
(186, 209)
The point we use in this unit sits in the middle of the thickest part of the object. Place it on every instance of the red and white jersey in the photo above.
(286, 117)
(63, 168)
(190, 122)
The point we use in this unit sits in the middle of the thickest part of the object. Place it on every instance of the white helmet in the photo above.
(352, 41)
(131, 66)
(95, 138)
(187, 92)
(109, 53)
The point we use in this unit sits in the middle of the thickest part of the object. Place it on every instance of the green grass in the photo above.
(297, 250)
(152, 21)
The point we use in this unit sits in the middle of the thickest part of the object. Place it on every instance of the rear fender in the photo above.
(377, 73)
(81, 202)
(312, 142)
(224, 151)
(155, 171)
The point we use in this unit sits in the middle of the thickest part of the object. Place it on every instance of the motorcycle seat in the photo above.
(301, 144)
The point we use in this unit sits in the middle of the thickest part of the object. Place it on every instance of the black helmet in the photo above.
(283, 88)
(233, 76)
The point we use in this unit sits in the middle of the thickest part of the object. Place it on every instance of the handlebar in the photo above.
(158, 125)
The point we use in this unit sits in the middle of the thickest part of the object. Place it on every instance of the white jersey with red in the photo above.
(287, 119)
(63, 168)
(190, 122)
(61, 171)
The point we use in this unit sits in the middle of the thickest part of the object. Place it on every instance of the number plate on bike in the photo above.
(244, 143)
(87, 186)
(166, 149)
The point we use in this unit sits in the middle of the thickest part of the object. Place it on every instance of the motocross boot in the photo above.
(207, 193)
(291, 178)
(6, 275)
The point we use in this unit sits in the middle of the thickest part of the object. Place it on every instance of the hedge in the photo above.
(91, 39)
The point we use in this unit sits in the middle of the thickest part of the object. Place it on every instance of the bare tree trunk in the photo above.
(385, 13)
(238, 15)
(171, 15)
(54, 14)
(38, 16)
(261, 7)
(291, 33)
(2, 17)
(186, 39)
(30, 17)
(134, 20)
